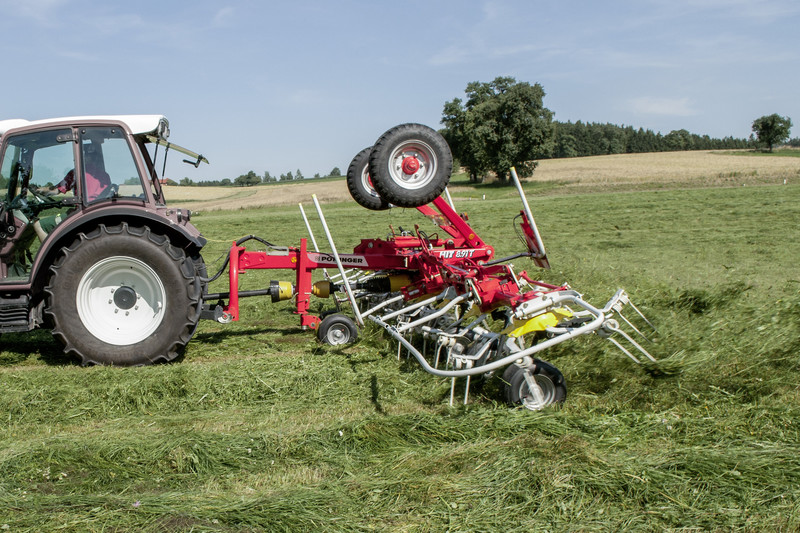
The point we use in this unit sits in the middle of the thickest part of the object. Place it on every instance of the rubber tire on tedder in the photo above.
(410, 165)
(124, 296)
(359, 183)
(337, 329)
(550, 381)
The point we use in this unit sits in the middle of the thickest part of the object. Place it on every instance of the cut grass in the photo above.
(260, 428)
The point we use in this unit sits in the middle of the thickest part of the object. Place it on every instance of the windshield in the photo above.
(40, 159)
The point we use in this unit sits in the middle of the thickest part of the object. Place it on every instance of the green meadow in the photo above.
(260, 428)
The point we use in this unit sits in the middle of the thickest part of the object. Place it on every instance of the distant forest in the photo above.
(582, 139)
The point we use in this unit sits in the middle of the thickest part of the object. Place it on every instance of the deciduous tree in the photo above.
(502, 124)
(772, 129)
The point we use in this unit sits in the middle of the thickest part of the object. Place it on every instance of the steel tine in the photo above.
(633, 327)
(634, 343)
(643, 317)
(624, 350)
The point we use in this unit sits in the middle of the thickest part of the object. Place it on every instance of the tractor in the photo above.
(88, 246)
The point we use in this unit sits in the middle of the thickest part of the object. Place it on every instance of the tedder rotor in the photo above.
(445, 298)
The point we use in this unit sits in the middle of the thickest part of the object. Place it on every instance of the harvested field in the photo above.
(581, 174)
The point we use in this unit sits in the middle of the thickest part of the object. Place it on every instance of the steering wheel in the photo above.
(43, 199)
(20, 201)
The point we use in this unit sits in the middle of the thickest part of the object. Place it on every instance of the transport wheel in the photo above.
(337, 329)
(360, 184)
(410, 165)
(550, 381)
(124, 296)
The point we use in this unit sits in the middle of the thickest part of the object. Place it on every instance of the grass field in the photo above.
(261, 428)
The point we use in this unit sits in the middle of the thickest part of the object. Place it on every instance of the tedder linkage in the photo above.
(445, 292)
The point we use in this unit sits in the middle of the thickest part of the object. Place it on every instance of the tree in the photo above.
(247, 180)
(502, 124)
(772, 129)
(268, 178)
(335, 172)
(299, 175)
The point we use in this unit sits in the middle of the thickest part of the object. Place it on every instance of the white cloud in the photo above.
(676, 107)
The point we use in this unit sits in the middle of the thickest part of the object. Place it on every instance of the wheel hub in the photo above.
(125, 298)
(410, 165)
(338, 335)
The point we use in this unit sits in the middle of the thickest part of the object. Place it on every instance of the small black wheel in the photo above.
(410, 165)
(337, 329)
(122, 295)
(550, 381)
(360, 184)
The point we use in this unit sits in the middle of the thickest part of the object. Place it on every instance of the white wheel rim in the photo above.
(421, 176)
(338, 334)
(121, 300)
(367, 184)
(529, 401)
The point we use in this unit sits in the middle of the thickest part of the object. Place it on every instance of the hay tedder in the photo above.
(444, 297)
(90, 250)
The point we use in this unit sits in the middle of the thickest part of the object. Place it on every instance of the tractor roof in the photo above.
(138, 124)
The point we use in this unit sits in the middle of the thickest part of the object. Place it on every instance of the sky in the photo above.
(306, 84)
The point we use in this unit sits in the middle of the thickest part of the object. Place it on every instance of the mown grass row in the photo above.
(260, 428)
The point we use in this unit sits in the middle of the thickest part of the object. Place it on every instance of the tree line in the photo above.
(583, 139)
(251, 179)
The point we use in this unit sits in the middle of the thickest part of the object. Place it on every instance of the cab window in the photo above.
(109, 170)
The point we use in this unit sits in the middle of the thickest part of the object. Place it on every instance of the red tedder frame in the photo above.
(460, 260)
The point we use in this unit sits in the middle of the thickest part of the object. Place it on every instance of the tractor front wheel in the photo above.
(124, 296)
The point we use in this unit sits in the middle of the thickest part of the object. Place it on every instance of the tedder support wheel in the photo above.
(125, 296)
(549, 379)
(360, 184)
(337, 329)
(410, 165)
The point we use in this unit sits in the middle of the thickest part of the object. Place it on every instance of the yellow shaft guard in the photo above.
(321, 289)
(537, 323)
(284, 291)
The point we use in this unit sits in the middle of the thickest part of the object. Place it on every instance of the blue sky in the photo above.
(306, 84)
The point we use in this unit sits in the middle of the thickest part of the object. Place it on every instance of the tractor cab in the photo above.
(52, 170)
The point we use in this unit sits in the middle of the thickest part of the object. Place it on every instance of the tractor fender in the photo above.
(163, 221)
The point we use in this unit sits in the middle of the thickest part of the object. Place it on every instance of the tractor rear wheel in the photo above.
(551, 383)
(359, 183)
(124, 296)
(410, 165)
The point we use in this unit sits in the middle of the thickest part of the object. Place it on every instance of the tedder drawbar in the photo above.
(446, 291)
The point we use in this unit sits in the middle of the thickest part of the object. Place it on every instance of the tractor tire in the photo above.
(124, 296)
(337, 329)
(549, 379)
(360, 184)
(410, 165)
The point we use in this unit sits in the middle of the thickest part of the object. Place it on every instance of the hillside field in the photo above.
(260, 428)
